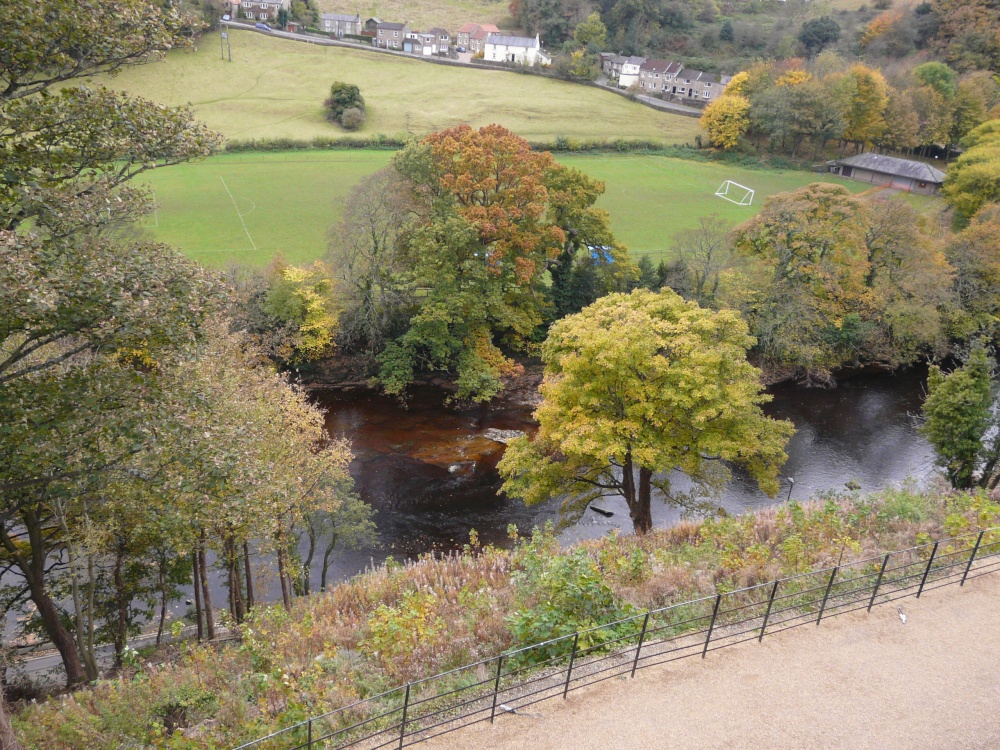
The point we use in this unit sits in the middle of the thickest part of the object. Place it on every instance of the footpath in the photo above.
(860, 681)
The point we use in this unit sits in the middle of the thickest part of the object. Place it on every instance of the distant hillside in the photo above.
(275, 88)
(424, 14)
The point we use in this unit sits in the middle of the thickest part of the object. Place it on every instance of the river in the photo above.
(430, 473)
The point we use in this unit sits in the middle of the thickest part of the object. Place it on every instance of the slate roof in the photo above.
(512, 41)
(656, 66)
(890, 165)
(439, 31)
(391, 26)
(341, 17)
(638, 61)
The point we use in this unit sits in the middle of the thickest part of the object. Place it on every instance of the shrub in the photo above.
(352, 119)
(343, 96)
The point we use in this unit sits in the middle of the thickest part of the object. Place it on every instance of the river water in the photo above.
(430, 474)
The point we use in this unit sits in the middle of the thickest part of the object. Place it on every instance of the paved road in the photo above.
(857, 681)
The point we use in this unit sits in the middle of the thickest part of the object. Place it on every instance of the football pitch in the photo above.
(249, 207)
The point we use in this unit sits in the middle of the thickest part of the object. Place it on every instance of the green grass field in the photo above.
(247, 207)
(275, 88)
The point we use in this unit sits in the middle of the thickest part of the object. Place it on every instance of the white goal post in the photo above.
(736, 193)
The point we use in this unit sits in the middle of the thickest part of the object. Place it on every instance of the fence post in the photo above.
(402, 724)
(711, 625)
(496, 688)
(826, 596)
(972, 557)
(767, 615)
(878, 582)
(927, 570)
(309, 731)
(642, 637)
(572, 658)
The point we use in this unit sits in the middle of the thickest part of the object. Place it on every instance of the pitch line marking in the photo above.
(239, 214)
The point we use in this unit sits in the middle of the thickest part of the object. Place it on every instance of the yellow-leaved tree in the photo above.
(726, 120)
(638, 386)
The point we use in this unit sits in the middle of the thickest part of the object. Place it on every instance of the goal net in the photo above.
(736, 193)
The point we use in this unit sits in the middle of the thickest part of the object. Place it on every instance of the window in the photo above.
(681, 90)
(706, 94)
(247, 5)
(262, 16)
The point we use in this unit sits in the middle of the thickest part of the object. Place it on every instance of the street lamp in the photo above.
(791, 486)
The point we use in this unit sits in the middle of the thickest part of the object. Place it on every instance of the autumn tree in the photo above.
(974, 178)
(726, 120)
(638, 386)
(961, 421)
(864, 119)
(365, 258)
(834, 279)
(974, 252)
(592, 31)
(493, 217)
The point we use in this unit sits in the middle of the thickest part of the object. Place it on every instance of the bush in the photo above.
(343, 96)
(352, 119)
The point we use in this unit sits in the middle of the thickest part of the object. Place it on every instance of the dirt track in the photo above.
(858, 681)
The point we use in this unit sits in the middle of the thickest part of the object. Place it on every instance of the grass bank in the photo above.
(249, 206)
(406, 621)
(275, 88)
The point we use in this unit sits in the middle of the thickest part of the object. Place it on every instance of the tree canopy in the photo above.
(638, 386)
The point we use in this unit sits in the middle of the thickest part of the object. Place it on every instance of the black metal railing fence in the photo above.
(519, 678)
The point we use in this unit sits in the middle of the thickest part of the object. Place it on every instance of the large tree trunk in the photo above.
(206, 595)
(286, 597)
(196, 579)
(644, 518)
(32, 567)
(249, 573)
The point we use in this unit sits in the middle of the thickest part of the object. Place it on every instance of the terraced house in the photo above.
(262, 10)
(698, 85)
(390, 35)
(339, 24)
(657, 76)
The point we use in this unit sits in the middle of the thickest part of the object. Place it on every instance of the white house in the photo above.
(630, 71)
(516, 49)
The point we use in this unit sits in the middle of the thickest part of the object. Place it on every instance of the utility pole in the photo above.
(224, 42)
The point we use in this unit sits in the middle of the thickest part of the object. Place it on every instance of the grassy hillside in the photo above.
(287, 201)
(423, 14)
(276, 87)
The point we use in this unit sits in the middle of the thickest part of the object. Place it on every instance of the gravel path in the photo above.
(857, 681)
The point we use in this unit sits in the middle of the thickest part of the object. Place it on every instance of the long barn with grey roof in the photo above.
(902, 174)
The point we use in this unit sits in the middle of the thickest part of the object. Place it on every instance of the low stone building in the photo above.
(390, 35)
(339, 24)
(901, 174)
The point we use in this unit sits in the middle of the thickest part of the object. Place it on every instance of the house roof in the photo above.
(484, 30)
(373, 18)
(634, 60)
(916, 170)
(438, 31)
(512, 41)
(468, 28)
(341, 17)
(391, 26)
(613, 58)
(656, 66)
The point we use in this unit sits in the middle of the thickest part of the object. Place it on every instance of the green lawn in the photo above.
(275, 87)
(287, 201)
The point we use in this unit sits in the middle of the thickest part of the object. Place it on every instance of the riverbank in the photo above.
(404, 621)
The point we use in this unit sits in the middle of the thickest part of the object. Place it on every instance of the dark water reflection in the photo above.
(431, 475)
